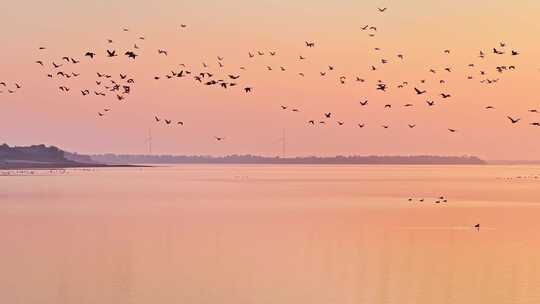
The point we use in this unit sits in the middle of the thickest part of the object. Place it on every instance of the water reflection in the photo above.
(200, 235)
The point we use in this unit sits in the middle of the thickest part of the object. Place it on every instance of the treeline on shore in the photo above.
(254, 159)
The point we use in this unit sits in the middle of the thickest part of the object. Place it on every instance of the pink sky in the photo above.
(252, 123)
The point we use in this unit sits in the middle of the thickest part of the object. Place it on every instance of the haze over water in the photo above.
(271, 234)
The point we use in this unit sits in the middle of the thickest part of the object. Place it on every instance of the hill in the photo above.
(41, 156)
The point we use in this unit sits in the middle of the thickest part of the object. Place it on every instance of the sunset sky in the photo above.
(252, 123)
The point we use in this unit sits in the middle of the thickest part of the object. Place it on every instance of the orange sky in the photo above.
(252, 123)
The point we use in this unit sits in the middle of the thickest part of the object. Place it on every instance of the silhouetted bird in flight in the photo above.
(131, 54)
(382, 9)
(219, 138)
(513, 120)
(443, 95)
(111, 53)
(418, 92)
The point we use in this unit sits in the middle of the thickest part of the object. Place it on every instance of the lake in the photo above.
(271, 234)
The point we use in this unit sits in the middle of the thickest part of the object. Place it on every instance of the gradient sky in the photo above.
(420, 29)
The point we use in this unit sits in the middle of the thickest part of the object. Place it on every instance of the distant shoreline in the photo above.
(43, 157)
(309, 160)
(4, 166)
(38, 166)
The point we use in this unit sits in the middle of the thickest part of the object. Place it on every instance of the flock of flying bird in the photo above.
(120, 87)
(11, 89)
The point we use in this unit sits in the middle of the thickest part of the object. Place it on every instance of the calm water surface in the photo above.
(271, 234)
